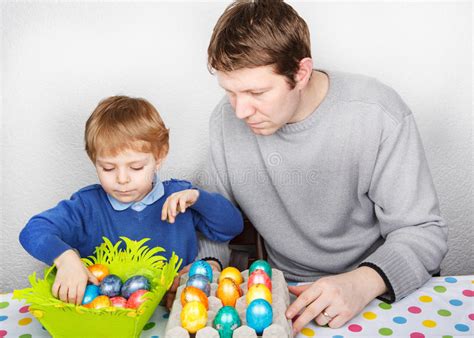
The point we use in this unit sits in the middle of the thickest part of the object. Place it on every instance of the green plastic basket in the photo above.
(68, 320)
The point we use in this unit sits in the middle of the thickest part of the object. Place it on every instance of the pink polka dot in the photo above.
(417, 335)
(468, 293)
(3, 333)
(471, 316)
(24, 309)
(355, 328)
(414, 309)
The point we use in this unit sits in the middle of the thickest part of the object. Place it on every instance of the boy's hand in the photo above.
(71, 278)
(178, 202)
(171, 294)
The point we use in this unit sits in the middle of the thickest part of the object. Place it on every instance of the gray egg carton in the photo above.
(280, 328)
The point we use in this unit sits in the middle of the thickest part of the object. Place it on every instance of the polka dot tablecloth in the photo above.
(443, 307)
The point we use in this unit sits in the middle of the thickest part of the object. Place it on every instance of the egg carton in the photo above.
(280, 327)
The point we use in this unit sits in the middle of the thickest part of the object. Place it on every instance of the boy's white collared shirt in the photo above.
(154, 195)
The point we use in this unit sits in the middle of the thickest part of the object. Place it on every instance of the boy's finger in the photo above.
(182, 204)
(55, 290)
(63, 293)
(80, 294)
(164, 211)
(71, 295)
(172, 207)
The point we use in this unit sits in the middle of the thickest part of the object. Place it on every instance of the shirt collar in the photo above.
(154, 195)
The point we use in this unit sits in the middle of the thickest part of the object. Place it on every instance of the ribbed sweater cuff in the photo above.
(208, 248)
(395, 270)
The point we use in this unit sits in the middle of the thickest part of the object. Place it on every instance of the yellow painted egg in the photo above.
(193, 316)
(258, 291)
(99, 271)
(232, 273)
(191, 293)
(228, 292)
(99, 303)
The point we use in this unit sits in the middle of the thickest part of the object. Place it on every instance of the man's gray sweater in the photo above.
(347, 186)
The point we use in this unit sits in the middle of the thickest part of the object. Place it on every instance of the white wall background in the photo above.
(60, 59)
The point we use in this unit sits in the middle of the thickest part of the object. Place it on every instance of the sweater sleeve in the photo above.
(49, 234)
(407, 209)
(216, 181)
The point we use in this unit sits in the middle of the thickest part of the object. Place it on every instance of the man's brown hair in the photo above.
(258, 33)
(122, 122)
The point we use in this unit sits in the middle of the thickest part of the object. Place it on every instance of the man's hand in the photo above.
(336, 299)
(171, 294)
(178, 202)
(71, 278)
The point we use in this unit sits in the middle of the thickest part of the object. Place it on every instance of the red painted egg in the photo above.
(118, 301)
(136, 299)
(259, 277)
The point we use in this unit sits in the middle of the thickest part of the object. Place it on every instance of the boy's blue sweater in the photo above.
(81, 222)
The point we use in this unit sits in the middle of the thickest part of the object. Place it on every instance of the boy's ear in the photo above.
(303, 75)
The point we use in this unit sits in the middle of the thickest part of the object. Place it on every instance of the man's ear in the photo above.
(303, 75)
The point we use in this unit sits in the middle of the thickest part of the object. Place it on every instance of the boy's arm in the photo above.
(47, 235)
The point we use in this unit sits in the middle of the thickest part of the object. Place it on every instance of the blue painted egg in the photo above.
(259, 315)
(133, 284)
(91, 292)
(201, 282)
(110, 286)
(201, 268)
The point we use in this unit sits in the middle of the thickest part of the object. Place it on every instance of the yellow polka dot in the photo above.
(37, 313)
(369, 315)
(429, 323)
(425, 299)
(307, 332)
(24, 321)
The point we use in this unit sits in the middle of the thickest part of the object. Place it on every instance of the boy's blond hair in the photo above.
(258, 33)
(121, 122)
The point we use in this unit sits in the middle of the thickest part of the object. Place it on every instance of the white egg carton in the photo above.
(280, 328)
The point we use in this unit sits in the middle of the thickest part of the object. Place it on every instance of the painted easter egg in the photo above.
(99, 302)
(201, 268)
(258, 291)
(259, 315)
(136, 299)
(193, 316)
(232, 273)
(201, 282)
(118, 301)
(91, 292)
(110, 286)
(259, 277)
(191, 293)
(226, 321)
(133, 284)
(99, 271)
(261, 265)
(228, 292)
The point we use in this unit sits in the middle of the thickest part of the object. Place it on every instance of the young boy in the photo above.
(127, 142)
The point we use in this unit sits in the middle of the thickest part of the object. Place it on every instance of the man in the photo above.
(328, 166)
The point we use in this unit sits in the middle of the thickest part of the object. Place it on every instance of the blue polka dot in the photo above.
(2, 318)
(450, 280)
(338, 336)
(461, 327)
(455, 302)
(155, 337)
(166, 315)
(400, 320)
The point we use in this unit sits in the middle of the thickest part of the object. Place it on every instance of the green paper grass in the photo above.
(68, 320)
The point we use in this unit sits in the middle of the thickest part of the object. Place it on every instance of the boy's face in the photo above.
(260, 97)
(128, 176)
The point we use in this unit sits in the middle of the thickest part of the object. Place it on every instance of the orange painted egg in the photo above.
(228, 292)
(99, 271)
(193, 316)
(258, 291)
(232, 273)
(191, 293)
(259, 277)
(99, 303)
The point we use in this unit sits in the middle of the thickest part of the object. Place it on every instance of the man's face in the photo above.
(260, 97)
(128, 176)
